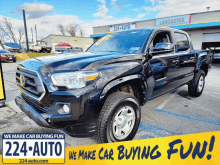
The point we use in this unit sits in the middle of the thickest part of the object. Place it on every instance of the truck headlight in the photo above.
(73, 80)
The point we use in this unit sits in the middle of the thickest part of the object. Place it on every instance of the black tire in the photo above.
(14, 60)
(113, 104)
(193, 86)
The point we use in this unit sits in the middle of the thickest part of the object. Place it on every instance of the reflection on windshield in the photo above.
(130, 42)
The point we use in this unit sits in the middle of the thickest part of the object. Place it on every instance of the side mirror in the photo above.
(147, 56)
(162, 46)
(183, 48)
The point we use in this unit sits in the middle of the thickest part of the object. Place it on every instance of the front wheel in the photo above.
(196, 86)
(119, 118)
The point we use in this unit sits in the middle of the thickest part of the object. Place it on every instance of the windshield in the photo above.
(4, 51)
(129, 42)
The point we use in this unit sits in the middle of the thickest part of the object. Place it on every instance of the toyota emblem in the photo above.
(22, 80)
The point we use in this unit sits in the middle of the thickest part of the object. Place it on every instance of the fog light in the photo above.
(63, 108)
(66, 108)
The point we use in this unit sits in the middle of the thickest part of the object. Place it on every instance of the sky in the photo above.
(47, 14)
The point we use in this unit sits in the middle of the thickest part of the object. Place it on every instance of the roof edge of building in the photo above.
(159, 18)
(63, 36)
(67, 36)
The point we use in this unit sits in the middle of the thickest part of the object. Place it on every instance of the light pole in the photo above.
(25, 29)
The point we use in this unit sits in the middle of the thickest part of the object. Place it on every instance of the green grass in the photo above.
(18, 58)
(33, 55)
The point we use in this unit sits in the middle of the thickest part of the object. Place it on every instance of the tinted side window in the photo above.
(182, 42)
(161, 37)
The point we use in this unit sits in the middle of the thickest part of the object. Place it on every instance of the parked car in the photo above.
(100, 92)
(216, 54)
(78, 49)
(7, 56)
(74, 50)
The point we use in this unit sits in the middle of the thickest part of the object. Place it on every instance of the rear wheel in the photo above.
(14, 60)
(119, 118)
(196, 86)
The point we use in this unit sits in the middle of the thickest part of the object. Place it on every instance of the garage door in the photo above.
(211, 37)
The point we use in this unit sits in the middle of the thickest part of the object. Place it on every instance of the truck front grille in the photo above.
(34, 103)
(29, 82)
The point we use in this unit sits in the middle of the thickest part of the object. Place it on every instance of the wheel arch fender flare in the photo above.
(122, 80)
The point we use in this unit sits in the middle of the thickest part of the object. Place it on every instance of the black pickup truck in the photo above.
(99, 92)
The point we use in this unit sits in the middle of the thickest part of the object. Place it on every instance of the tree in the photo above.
(2, 39)
(62, 29)
(72, 28)
(20, 34)
(7, 29)
(7, 32)
(82, 32)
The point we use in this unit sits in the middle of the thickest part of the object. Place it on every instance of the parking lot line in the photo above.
(188, 117)
(147, 130)
(161, 106)
(206, 109)
(212, 95)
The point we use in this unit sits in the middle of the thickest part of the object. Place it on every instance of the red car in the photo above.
(7, 56)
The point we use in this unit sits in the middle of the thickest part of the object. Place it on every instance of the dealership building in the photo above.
(53, 40)
(203, 27)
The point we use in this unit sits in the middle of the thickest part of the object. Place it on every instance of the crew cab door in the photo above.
(187, 57)
(164, 64)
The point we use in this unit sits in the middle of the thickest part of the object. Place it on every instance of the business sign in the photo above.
(173, 20)
(199, 149)
(2, 89)
(120, 27)
(33, 148)
(39, 148)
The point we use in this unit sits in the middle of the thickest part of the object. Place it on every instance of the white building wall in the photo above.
(101, 29)
(206, 17)
(197, 35)
(196, 38)
(148, 23)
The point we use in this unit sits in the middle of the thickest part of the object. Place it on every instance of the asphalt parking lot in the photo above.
(174, 113)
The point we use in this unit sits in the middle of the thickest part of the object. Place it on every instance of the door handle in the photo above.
(175, 61)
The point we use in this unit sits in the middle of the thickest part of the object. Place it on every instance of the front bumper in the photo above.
(81, 129)
(38, 118)
(8, 58)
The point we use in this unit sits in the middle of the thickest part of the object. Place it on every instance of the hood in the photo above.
(8, 53)
(76, 62)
